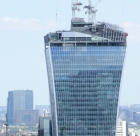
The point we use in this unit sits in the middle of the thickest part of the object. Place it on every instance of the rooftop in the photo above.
(88, 32)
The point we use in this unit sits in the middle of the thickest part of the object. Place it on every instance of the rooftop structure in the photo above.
(81, 32)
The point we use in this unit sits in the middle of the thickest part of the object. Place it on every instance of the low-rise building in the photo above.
(26, 117)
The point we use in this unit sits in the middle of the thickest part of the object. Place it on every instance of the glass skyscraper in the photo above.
(84, 70)
(18, 100)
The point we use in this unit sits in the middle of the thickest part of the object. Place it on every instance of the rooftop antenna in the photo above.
(75, 6)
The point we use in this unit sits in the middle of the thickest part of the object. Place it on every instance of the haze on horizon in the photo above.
(23, 25)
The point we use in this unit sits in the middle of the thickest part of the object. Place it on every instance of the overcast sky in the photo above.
(23, 25)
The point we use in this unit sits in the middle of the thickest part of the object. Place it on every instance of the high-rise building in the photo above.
(122, 128)
(132, 134)
(3, 110)
(28, 99)
(84, 67)
(10, 108)
(44, 126)
(18, 100)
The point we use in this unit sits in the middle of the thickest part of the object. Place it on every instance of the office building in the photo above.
(122, 128)
(18, 100)
(125, 114)
(10, 108)
(132, 134)
(44, 126)
(84, 67)
(26, 117)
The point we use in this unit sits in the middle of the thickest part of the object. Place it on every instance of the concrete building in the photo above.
(18, 100)
(132, 134)
(122, 128)
(44, 128)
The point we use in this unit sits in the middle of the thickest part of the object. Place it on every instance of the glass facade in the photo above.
(18, 100)
(10, 107)
(28, 99)
(84, 85)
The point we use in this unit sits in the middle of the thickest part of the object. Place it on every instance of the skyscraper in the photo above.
(18, 100)
(84, 67)
(10, 108)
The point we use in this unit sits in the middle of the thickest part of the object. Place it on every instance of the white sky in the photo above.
(23, 25)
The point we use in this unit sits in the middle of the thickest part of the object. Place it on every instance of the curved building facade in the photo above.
(84, 72)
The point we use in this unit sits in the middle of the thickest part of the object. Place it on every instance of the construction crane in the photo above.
(98, 2)
(75, 6)
(91, 11)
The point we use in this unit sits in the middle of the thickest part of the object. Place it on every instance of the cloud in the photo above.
(133, 30)
(9, 23)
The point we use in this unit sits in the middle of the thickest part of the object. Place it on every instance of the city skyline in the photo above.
(22, 56)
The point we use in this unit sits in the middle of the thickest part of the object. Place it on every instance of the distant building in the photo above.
(28, 99)
(10, 108)
(3, 110)
(26, 117)
(43, 109)
(132, 124)
(136, 117)
(19, 130)
(125, 114)
(122, 128)
(132, 134)
(30, 134)
(44, 128)
(18, 100)
(2, 122)
(128, 104)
